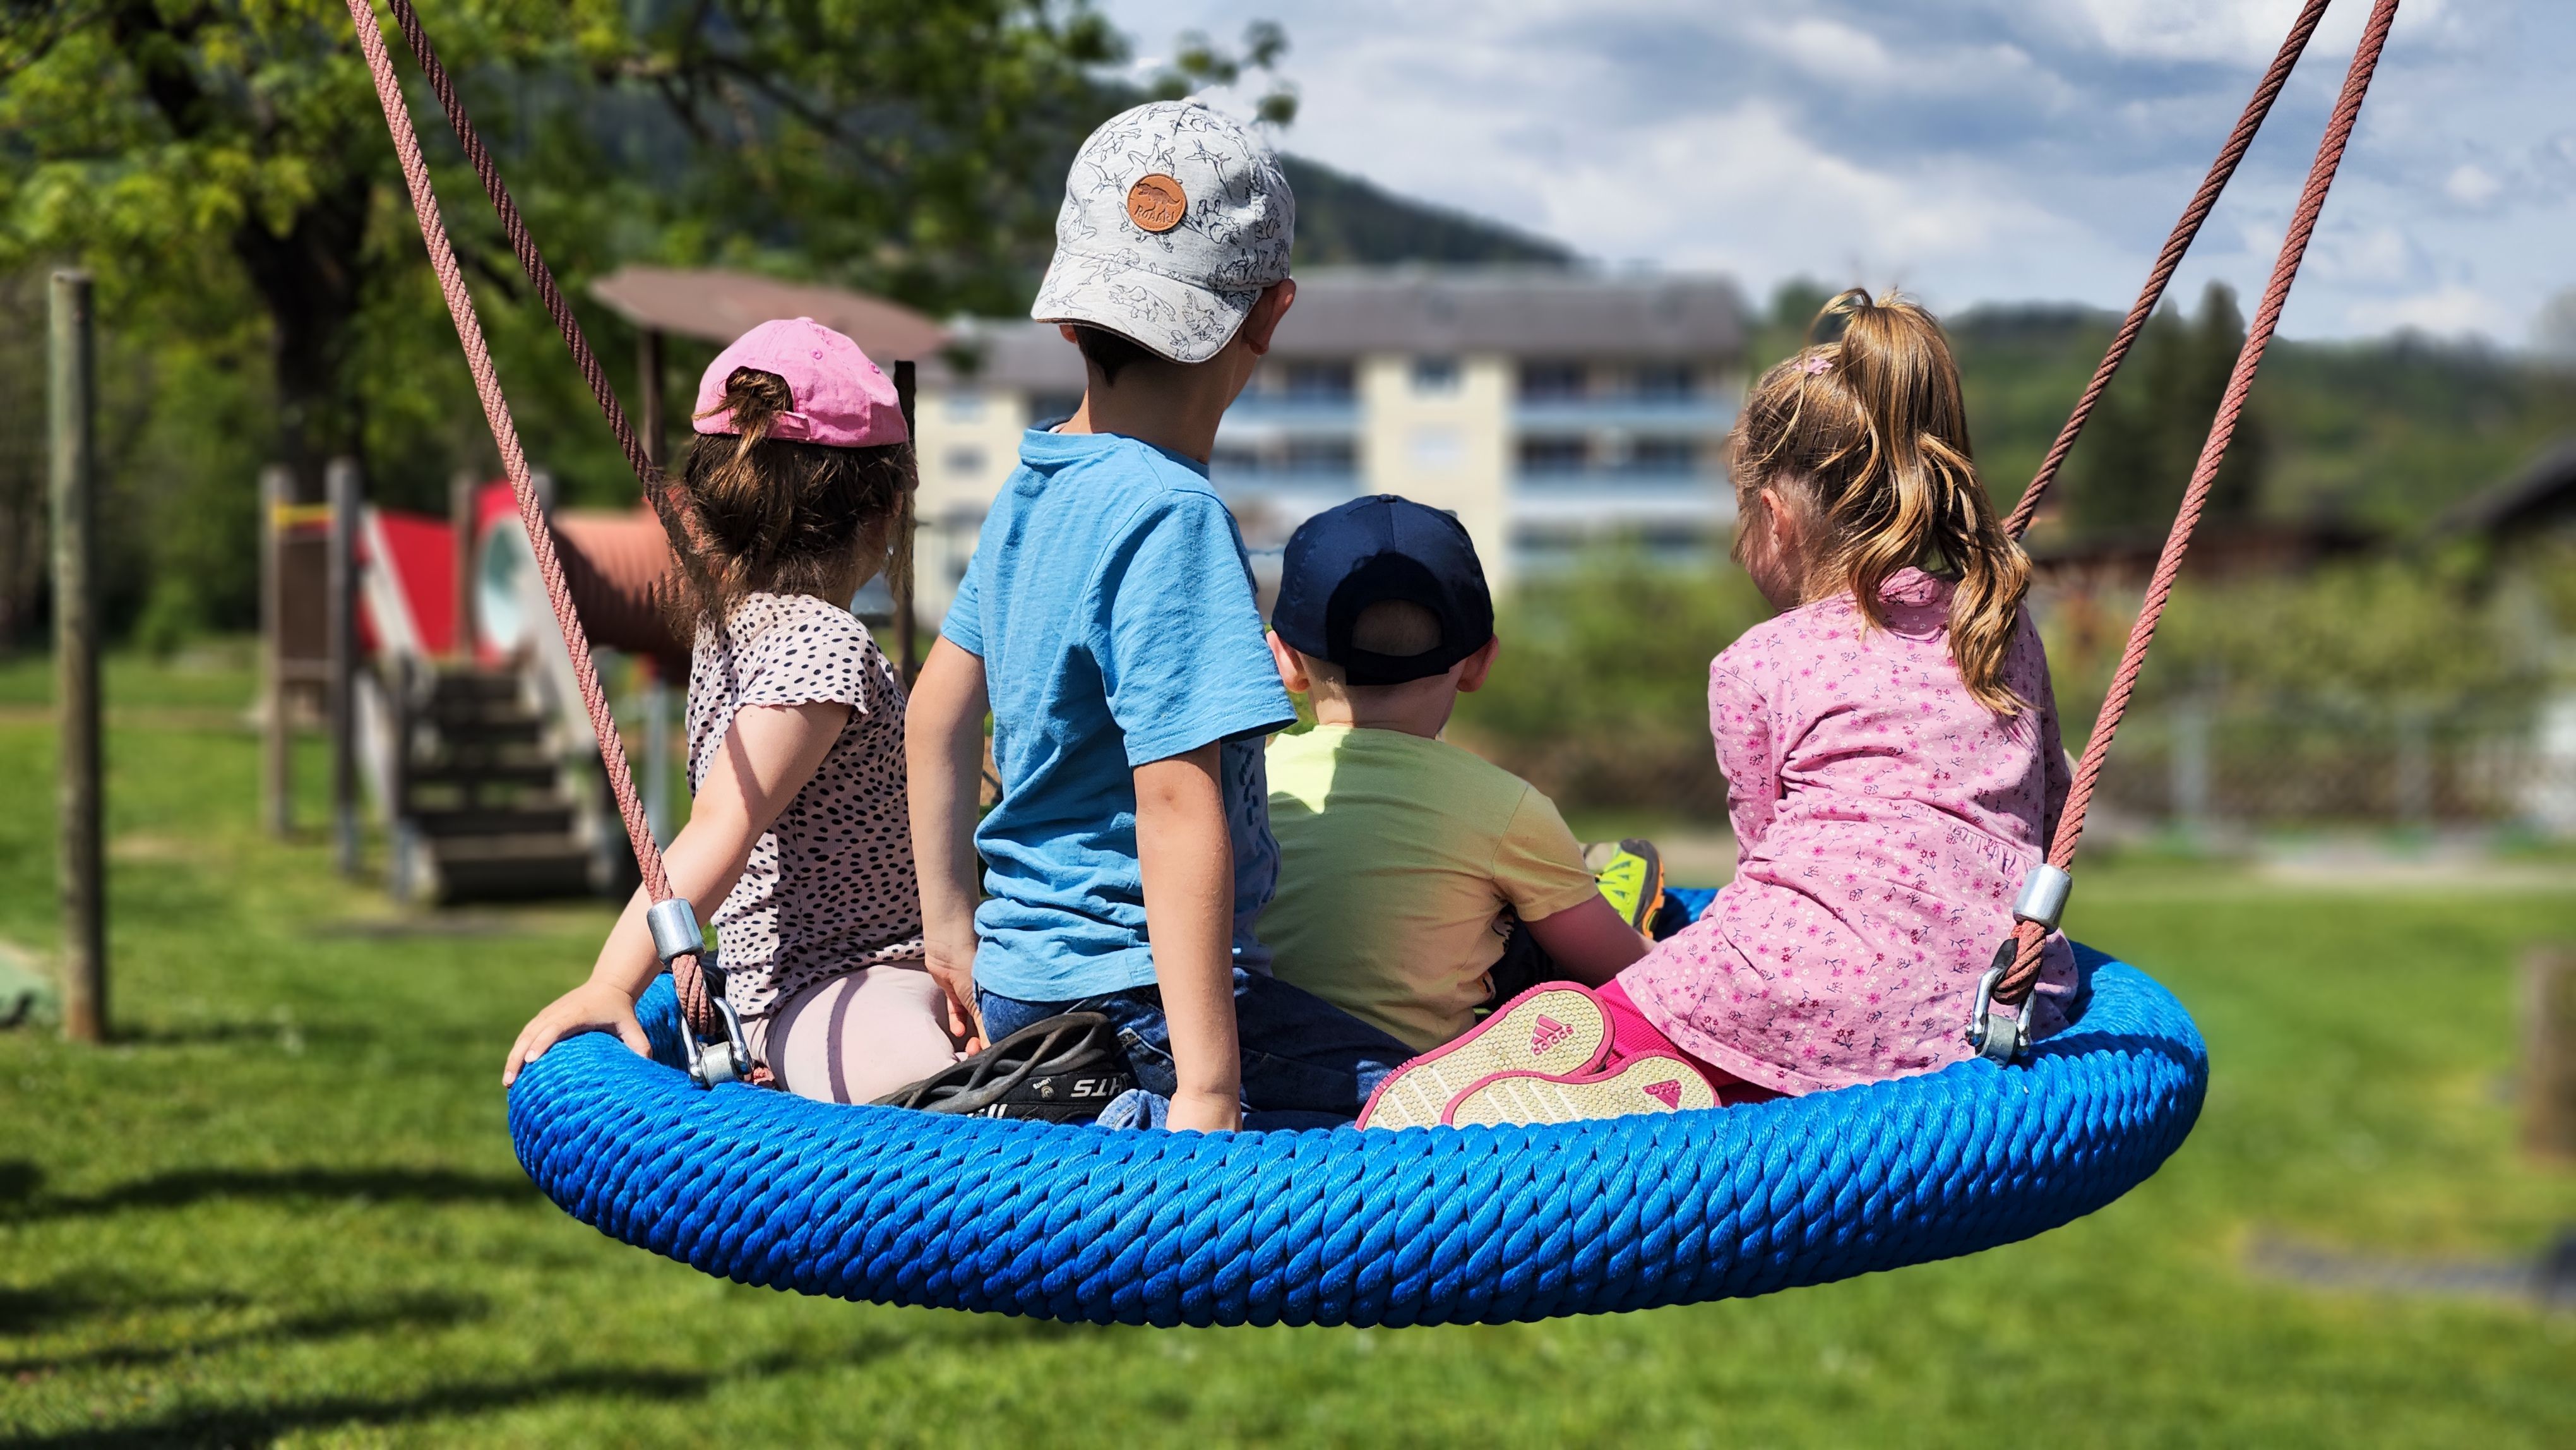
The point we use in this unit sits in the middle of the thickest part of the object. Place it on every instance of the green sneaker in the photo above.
(1631, 874)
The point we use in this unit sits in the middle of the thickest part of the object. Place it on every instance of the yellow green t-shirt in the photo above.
(1397, 858)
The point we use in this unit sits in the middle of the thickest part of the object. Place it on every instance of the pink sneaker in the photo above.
(1554, 1028)
(1650, 1084)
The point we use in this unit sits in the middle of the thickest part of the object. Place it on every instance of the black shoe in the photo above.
(1063, 1069)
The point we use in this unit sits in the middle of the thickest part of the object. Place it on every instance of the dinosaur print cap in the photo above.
(1175, 217)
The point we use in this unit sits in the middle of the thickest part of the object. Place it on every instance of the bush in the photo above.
(1600, 697)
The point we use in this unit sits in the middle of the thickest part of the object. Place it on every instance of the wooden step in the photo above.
(551, 820)
(493, 868)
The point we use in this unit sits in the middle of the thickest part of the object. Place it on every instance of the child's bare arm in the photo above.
(1592, 942)
(1187, 857)
(767, 756)
(944, 755)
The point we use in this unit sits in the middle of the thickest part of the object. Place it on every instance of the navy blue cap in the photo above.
(1371, 550)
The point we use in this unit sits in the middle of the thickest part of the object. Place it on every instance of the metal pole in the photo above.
(648, 367)
(277, 731)
(899, 565)
(340, 485)
(74, 487)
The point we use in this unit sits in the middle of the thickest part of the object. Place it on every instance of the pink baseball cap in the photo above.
(838, 396)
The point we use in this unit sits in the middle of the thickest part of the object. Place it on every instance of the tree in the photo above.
(2145, 438)
(222, 166)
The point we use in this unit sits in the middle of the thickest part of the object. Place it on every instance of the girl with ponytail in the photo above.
(798, 850)
(1891, 755)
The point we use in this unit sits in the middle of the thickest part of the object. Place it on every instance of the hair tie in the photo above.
(1819, 364)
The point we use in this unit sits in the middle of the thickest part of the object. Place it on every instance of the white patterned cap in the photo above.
(1176, 216)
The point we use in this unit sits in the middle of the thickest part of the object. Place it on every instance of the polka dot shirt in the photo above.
(1883, 823)
(830, 887)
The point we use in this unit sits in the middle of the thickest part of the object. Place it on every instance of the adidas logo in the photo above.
(1667, 1092)
(1547, 1034)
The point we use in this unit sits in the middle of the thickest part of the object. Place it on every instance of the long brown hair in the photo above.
(1867, 437)
(748, 512)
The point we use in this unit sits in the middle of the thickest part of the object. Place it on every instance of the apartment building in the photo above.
(1546, 408)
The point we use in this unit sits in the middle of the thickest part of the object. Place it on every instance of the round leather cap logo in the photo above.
(1157, 203)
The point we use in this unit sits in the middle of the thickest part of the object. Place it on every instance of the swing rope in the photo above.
(2184, 233)
(2031, 936)
(687, 977)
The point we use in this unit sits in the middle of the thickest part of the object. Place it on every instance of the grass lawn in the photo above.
(282, 1209)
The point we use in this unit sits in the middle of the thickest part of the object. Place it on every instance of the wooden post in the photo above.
(2549, 1053)
(899, 564)
(75, 506)
(277, 730)
(461, 490)
(648, 368)
(340, 484)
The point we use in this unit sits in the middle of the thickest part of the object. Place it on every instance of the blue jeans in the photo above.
(1306, 1062)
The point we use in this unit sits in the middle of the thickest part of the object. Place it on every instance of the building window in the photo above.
(1665, 382)
(1552, 381)
(1663, 457)
(1320, 382)
(965, 462)
(965, 406)
(1323, 455)
(1437, 448)
(1554, 455)
(1435, 375)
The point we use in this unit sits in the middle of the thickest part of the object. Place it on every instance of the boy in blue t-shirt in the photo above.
(1107, 622)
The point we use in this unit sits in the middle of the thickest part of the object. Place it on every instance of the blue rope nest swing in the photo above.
(1426, 1226)
(1430, 1226)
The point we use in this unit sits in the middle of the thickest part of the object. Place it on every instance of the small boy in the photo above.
(1107, 621)
(1407, 865)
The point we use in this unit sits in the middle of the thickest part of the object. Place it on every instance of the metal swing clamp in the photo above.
(2042, 902)
(675, 934)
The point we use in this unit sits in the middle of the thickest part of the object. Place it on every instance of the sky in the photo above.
(1970, 151)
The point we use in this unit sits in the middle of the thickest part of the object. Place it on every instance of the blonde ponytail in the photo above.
(1869, 436)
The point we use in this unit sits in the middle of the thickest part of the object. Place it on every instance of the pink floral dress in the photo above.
(1883, 822)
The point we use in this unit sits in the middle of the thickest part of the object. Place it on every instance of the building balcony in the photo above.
(1692, 414)
(1291, 414)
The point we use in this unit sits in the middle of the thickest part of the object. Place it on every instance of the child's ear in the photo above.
(1292, 665)
(1473, 669)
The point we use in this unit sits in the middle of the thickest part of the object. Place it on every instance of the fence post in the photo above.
(340, 485)
(277, 737)
(73, 428)
(2414, 784)
(2549, 1053)
(2191, 765)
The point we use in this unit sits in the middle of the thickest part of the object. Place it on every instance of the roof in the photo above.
(2544, 492)
(1520, 311)
(1343, 312)
(719, 306)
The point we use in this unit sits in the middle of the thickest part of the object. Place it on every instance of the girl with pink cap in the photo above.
(798, 848)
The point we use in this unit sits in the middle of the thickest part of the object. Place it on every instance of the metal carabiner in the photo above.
(726, 1061)
(1990, 1037)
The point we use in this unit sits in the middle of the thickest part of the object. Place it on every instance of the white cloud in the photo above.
(1975, 150)
(2450, 310)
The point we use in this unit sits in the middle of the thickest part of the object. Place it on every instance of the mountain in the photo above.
(1345, 220)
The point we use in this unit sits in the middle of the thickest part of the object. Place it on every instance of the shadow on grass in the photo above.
(54, 1307)
(23, 1197)
(265, 1424)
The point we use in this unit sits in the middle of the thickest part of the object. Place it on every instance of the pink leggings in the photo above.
(858, 1036)
(1632, 1035)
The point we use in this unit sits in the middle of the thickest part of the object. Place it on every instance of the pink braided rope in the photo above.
(685, 973)
(2017, 983)
(2184, 233)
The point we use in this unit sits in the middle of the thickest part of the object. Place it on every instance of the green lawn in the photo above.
(282, 1209)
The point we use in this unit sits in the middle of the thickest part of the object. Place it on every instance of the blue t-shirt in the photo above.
(1111, 601)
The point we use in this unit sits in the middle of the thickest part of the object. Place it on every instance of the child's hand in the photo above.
(1206, 1112)
(953, 968)
(590, 1007)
